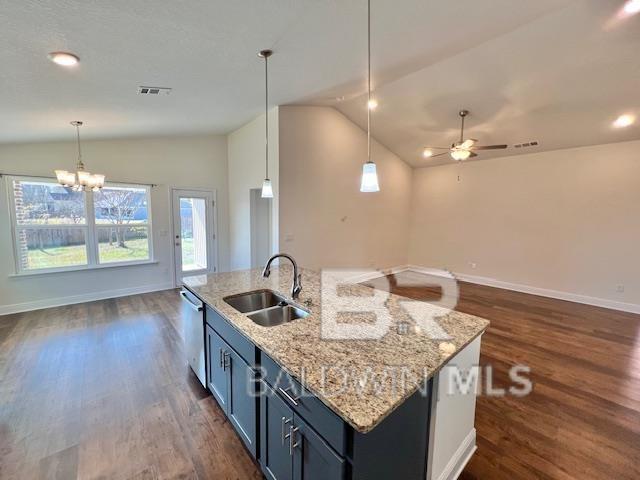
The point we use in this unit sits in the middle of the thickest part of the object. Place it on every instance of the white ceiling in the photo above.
(549, 70)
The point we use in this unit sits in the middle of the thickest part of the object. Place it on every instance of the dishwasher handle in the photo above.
(196, 307)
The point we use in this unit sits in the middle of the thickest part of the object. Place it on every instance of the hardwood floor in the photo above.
(100, 391)
(582, 420)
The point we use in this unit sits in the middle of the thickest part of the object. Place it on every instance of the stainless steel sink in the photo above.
(252, 301)
(266, 307)
(270, 317)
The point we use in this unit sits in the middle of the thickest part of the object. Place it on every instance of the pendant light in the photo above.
(369, 181)
(81, 180)
(267, 189)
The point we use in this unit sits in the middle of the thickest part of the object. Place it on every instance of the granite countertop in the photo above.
(361, 380)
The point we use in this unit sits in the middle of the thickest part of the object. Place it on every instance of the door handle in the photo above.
(195, 306)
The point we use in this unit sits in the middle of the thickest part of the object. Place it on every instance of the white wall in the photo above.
(325, 221)
(565, 220)
(181, 161)
(246, 171)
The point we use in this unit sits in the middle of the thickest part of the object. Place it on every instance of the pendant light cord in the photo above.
(79, 149)
(266, 117)
(369, 80)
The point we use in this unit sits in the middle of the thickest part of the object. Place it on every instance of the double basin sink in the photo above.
(266, 307)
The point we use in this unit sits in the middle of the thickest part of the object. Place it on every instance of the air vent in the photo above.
(153, 90)
(533, 143)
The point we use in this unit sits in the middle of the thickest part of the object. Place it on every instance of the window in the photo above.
(56, 228)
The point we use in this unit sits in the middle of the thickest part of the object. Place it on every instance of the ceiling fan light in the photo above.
(460, 154)
(369, 181)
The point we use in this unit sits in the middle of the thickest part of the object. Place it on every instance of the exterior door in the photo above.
(193, 232)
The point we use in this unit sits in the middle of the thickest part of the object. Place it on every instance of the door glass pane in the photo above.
(47, 203)
(193, 232)
(51, 247)
(123, 244)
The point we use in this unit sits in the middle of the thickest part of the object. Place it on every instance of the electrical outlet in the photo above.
(620, 288)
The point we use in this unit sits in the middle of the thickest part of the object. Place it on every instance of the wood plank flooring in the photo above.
(100, 391)
(582, 420)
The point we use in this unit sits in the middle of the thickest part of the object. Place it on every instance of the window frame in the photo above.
(90, 227)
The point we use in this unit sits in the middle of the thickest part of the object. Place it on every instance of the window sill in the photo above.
(84, 268)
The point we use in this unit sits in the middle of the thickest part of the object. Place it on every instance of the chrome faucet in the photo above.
(296, 287)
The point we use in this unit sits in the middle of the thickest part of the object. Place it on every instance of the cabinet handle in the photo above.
(221, 361)
(288, 396)
(284, 422)
(226, 362)
(292, 436)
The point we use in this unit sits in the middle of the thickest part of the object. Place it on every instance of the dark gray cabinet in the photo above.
(216, 373)
(242, 400)
(290, 448)
(313, 459)
(232, 382)
(276, 420)
(298, 437)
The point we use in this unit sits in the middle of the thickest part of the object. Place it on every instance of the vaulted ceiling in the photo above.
(555, 71)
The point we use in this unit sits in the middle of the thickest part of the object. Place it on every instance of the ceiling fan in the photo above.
(462, 149)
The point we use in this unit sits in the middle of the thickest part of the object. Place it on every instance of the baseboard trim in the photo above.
(87, 297)
(367, 275)
(460, 459)
(543, 292)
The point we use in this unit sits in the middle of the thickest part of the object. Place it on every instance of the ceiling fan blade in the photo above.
(468, 143)
(437, 148)
(473, 155)
(439, 154)
(489, 147)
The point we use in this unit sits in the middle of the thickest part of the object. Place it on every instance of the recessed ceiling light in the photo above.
(426, 153)
(373, 104)
(65, 59)
(624, 120)
(631, 7)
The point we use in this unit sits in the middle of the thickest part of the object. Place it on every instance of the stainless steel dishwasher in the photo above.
(193, 333)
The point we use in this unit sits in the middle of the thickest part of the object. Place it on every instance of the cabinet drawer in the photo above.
(331, 427)
(233, 337)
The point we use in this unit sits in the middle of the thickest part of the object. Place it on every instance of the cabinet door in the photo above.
(217, 376)
(242, 399)
(313, 458)
(276, 422)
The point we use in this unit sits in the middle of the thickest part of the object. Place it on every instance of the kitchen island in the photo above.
(365, 408)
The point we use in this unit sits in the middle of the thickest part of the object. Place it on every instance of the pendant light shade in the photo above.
(267, 189)
(81, 180)
(369, 181)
